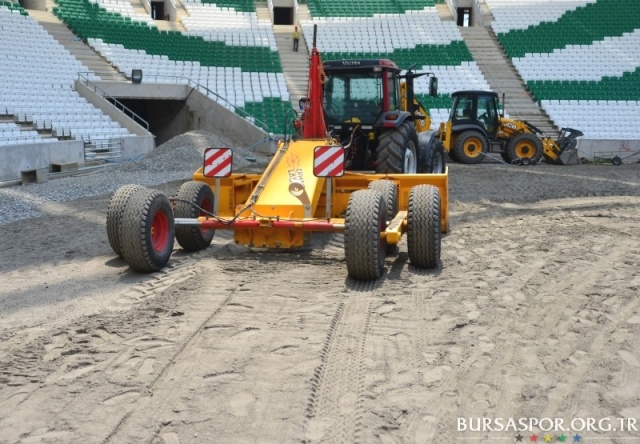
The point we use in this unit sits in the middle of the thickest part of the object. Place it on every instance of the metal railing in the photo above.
(215, 96)
(83, 77)
(102, 149)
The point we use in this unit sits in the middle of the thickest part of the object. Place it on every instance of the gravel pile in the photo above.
(177, 159)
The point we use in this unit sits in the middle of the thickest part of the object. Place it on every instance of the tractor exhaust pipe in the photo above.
(315, 35)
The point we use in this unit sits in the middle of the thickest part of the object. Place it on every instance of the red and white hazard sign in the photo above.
(217, 162)
(328, 161)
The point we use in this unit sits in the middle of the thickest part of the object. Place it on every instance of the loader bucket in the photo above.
(562, 151)
(567, 143)
(569, 157)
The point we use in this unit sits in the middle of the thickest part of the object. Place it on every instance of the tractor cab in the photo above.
(360, 91)
(369, 107)
(477, 109)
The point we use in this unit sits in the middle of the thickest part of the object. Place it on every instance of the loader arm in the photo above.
(421, 118)
(313, 124)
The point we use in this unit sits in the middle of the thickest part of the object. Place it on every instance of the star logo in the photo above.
(293, 161)
(519, 437)
(533, 438)
(577, 438)
(548, 437)
(562, 438)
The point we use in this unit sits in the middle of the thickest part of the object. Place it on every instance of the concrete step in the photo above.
(303, 12)
(294, 64)
(487, 16)
(170, 25)
(80, 50)
(444, 12)
(502, 77)
(262, 11)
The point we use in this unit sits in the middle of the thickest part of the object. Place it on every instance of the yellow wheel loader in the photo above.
(357, 166)
(476, 128)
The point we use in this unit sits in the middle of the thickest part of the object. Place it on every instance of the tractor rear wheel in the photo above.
(115, 213)
(147, 231)
(389, 192)
(364, 247)
(505, 157)
(470, 147)
(396, 152)
(423, 226)
(525, 148)
(194, 199)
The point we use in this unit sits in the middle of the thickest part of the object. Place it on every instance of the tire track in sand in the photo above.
(334, 408)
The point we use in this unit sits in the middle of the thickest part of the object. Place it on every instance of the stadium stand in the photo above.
(226, 50)
(36, 86)
(579, 59)
(124, 8)
(406, 36)
(366, 8)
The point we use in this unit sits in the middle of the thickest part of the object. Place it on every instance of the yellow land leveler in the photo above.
(310, 185)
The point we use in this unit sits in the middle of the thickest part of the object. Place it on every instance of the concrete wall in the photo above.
(590, 148)
(38, 5)
(149, 91)
(211, 116)
(464, 3)
(283, 3)
(17, 158)
(170, 10)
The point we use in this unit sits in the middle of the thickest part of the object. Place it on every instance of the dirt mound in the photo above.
(185, 152)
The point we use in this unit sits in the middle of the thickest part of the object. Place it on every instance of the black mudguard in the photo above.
(428, 143)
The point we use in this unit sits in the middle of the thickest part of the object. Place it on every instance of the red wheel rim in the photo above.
(160, 231)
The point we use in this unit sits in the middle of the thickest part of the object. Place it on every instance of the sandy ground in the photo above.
(533, 314)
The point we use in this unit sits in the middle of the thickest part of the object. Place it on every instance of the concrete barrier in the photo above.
(591, 149)
(38, 156)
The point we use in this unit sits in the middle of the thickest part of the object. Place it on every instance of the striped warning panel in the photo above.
(328, 161)
(217, 162)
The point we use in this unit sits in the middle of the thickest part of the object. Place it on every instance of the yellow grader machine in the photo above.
(475, 128)
(359, 166)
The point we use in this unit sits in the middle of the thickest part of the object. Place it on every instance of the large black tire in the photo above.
(147, 231)
(364, 248)
(194, 199)
(470, 147)
(115, 213)
(525, 148)
(505, 157)
(397, 151)
(423, 226)
(389, 192)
